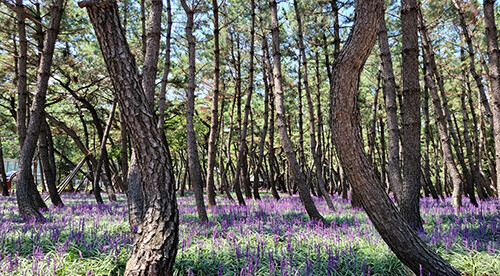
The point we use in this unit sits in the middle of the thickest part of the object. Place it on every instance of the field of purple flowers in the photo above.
(265, 237)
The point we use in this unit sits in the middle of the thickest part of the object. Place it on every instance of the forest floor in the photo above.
(265, 237)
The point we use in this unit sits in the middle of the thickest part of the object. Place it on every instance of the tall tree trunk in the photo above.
(47, 167)
(150, 66)
(477, 150)
(166, 71)
(314, 146)
(468, 145)
(273, 172)
(302, 157)
(389, 90)
(494, 71)
(22, 92)
(319, 125)
(192, 149)
(410, 109)
(155, 246)
(242, 145)
(372, 136)
(297, 175)
(402, 240)
(28, 197)
(214, 120)
(258, 167)
(427, 133)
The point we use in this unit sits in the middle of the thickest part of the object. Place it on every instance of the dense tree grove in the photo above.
(363, 99)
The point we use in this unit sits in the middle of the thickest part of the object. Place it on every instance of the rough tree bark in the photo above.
(155, 246)
(297, 175)
(152, 49)
(123, 152)
(410, 133)
(494, 71)
(166, 71)
(402, 240)
(192, 148)
(28, 197)
(22, 92)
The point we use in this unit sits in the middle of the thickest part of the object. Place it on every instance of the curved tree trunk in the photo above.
(297, 175)
(402, 240)
(156, 241)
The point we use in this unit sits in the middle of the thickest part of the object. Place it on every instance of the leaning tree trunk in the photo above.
(192, 149)
(28, 197)
(432, 67)
(155, 246)
(402, 240)
(297, 175)
(314, 147)
(97, 171)
(494, 68)
(442, 128)
(50, 177)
